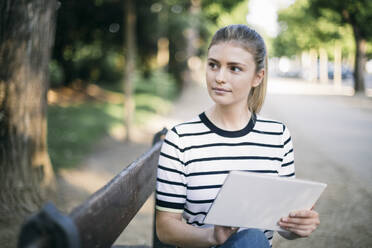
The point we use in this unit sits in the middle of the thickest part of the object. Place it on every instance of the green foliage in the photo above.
(301, 30)
(87, 33)
(174, 21)
(236, 15)
(175, 29)
(148, 31)
(89, 48)
(159, 84)
(147, 106)
(73, 130)
(369, 50)
(56, 74)
(357, 13)
(89, 36)
(214, 8)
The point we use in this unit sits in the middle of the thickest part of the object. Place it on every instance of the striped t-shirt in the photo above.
(196, 157)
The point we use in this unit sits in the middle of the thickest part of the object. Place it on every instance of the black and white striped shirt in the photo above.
(197, 156)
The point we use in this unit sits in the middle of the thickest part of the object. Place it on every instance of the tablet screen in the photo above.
(258, 201)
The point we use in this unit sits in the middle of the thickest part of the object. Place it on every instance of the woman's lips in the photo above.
(220, 90)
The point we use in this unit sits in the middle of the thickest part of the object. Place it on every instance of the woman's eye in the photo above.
(236, 69)
(212, 65)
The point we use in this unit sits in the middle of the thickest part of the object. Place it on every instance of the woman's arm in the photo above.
(300, 223)
(172, 230)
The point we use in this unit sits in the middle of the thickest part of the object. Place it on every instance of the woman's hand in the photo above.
(222, 233)
(302, 222)
(172, 230)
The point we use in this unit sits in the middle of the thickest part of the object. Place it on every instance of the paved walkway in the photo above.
(332, 137)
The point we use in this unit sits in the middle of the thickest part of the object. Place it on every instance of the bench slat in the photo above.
(123, 196)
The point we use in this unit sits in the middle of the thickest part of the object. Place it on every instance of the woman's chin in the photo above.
(220, 99)
(222, 102)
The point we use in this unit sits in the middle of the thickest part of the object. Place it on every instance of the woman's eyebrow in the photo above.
(229, 63)
(213, 60)
(236, 63)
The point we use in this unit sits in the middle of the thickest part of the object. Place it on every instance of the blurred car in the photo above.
(346, 72)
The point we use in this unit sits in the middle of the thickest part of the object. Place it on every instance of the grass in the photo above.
(74, 129)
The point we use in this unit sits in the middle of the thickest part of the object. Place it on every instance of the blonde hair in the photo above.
(251, 41)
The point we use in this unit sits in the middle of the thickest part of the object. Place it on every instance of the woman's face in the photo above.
(231, 73)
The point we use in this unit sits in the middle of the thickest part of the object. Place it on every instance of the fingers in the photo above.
(299, 226)
(302, 222)
(304, 214)
(299, 229)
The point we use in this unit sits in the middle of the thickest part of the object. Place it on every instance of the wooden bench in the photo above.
(98, 221)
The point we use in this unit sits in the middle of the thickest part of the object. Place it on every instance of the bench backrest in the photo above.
(108, 211)
(99, 220)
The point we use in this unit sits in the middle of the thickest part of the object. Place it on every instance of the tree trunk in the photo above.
(130, 62)
(26, 176)
(360, 62)
(360, 59)
(314, 65)
(162, 57)
(192, 38)
(305, 65)
(323, 66)
(337, 66)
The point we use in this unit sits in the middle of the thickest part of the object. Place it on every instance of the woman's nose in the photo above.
(221, 77)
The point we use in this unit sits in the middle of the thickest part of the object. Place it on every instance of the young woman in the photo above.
(197, 155)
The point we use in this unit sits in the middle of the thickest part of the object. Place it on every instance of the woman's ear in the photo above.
(258, 78)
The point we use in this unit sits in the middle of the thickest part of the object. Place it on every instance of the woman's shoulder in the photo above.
(192, 125)
(263, 122)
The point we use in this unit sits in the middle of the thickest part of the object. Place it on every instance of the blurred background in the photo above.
(118, 71)
(311, 41)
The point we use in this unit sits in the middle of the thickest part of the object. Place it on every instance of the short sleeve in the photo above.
(171, 177)
(287, 168)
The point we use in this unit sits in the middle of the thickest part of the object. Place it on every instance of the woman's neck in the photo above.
(229, 118)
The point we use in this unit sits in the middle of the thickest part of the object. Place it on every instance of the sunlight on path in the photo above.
(300, 87)
(87, 180)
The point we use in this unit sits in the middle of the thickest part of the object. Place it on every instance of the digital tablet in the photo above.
(257, 201)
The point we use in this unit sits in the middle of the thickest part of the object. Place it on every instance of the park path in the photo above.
(332, 136)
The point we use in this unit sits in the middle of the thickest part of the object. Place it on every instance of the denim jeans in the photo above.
(248, 238)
